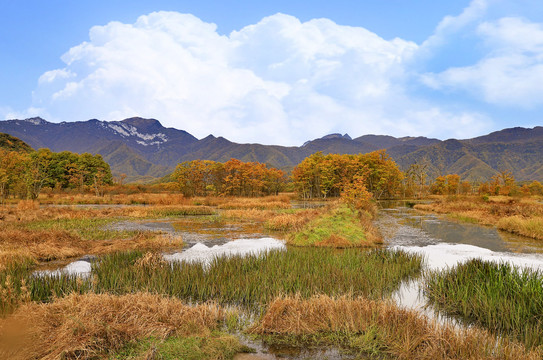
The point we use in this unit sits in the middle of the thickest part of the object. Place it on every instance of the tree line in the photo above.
(24, 175)
(234, 178)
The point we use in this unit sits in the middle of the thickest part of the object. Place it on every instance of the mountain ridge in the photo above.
(144, 149)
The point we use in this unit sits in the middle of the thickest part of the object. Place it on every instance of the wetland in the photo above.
(274, 299)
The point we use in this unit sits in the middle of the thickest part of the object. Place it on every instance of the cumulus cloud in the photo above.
(511, 73)
(279, 81)
(454, 24)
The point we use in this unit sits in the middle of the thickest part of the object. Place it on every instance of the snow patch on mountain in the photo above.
(126, 130)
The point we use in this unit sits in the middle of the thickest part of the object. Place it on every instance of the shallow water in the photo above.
(445, 243)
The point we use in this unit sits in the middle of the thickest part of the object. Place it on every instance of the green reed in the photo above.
(252, 280)
(257, 279)
(498, 296)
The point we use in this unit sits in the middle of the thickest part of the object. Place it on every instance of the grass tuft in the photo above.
(90, 326)
(501, 297)
(377, 329)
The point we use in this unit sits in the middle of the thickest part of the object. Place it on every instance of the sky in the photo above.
(280, 72)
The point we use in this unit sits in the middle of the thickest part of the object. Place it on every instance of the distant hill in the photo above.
(11, 143)
(143, 149)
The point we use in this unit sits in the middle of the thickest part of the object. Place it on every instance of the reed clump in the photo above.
(95, 325)
(252, 281)
(256, 279)
(377, 329)
(501, 297)
(248, 214)
(340, 227)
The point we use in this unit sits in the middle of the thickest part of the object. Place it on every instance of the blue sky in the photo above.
(277, 72)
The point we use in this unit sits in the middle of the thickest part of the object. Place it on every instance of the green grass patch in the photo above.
(340, 227)
(500, 297)
(217, 345)
(251, 281)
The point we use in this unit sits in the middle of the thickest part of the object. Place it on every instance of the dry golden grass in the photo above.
(531, 227)
(262, 203)
(382, 328)
(22, 214)
(46, 245)
(116, 199)
(89, 326)
(294, 221)
(521, 216)
(248, 214)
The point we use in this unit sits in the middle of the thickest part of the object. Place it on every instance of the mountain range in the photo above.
(143, 149)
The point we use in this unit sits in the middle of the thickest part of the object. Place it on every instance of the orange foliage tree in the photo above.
(322, 176)
(235, 177)
(448, 184)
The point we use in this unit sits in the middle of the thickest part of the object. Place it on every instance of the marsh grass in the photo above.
(263, 203)
(376, 329)
(251, 281)
(92, 326)
(64, 239)
(501, 297)
(530, 227)
(340, 227)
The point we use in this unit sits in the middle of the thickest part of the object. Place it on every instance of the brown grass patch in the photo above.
(335, 241)
(267, 202)
(13, 215)
(382, 328)
(90, 326)
(248, 214)
(46, 245)
(139, 197)
(531, 227)
(294, 221)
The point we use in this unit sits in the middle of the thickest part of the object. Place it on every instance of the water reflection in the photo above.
(202, 253)
(425, 229)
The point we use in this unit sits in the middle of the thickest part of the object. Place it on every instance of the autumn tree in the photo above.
(235, 177)
(321, 176)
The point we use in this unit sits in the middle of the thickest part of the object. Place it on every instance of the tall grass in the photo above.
(376, 329)
(530, 227)
(501, 297)
(251, 281)
(91, 326)
(257, 279)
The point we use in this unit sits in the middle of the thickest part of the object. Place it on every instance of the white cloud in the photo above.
(280, 81)
(511, 74)
(453, 24)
